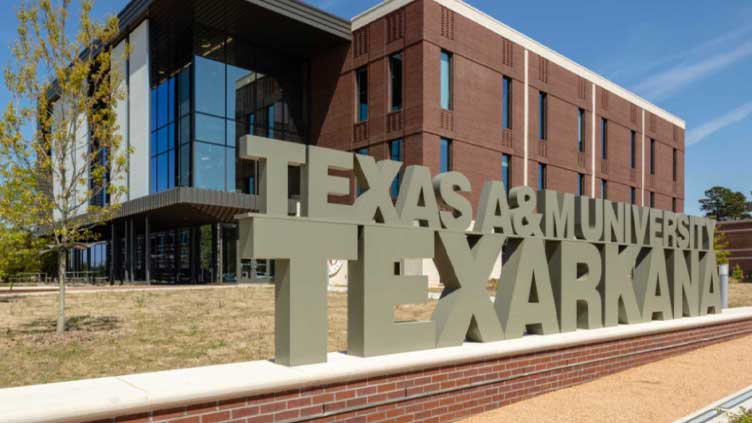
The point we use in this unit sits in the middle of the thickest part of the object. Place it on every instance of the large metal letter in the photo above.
(524, 298)
(651, 286)
(558, 214)
(576, 292)
(375, 289)
(275, 157)
(417, 201)
(710, 291)
(465, 310)
(617, 289)
(318, 184)
(493, 210)
(684, 273)
(448, 187)
(301, 250)
(375, 204)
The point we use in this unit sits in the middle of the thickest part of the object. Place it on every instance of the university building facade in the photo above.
(429, 82)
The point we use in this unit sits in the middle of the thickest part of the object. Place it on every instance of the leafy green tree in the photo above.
(738, 274)
(721, 203)
(59, 144)
(721, 245)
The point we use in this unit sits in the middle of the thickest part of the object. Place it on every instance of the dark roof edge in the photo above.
(136, 10)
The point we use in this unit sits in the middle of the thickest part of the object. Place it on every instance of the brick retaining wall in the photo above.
(445, 394)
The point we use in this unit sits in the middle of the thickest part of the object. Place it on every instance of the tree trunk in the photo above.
(61, 295)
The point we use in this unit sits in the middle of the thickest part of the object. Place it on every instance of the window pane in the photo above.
(153, 114)
(271, 121)
(604, 189)
(395, 153)
(210, 129)
(162, 170)
(171, 136)
(209, 166)
(542, 115)
(185, 130)
(162, 140)
(171, 100)
(252, 124)
(238, 79)
(446, 80)
(231, 134)
(446, 158)
(581, 130)
(395, 67)
(153, 151)
(230, 169)
(185, 166)
(162, 97)
(153, 175)
(632, 149)
(209, 76)
(362, 89)
(505, 169)
(171, 169)
(184, 90)
(507, 103)
(541, 177)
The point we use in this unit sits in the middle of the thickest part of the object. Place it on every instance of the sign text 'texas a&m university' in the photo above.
(569, 262)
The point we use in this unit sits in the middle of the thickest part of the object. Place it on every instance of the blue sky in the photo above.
(693, 58)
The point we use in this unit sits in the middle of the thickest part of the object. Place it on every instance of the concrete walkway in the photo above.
(663, 391)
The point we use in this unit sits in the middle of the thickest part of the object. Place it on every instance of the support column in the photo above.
(220, 271)
(131, 251)
(147, 250)
(113, 252)
(126, 245)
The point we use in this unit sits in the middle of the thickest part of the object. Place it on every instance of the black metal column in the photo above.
(147, 250)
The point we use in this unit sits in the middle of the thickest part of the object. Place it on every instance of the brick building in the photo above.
(430, 82)
(739, 236)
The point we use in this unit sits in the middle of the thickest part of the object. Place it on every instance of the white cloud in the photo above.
(709, 128)
(679, 76)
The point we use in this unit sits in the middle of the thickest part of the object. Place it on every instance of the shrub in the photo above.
(744, 416)
(738, 274)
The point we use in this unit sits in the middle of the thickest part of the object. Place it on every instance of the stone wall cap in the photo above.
(124, 395)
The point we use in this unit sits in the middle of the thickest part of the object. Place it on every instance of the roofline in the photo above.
(491, 23)
(136, 10)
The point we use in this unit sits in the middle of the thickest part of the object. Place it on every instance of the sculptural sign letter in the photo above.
(570, 262)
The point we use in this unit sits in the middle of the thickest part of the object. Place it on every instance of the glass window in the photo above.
(230, 134)
(542, 115)
(153, 113)
(237, 79)
(604, 139)
(184, 91)
(506, 167)
(153, 174)
(581, 130)
(162, 172)
(361, 79)
(210, 129)
(633, 149)
(210, 74)
(652, 156)
(209, 166)
(506, 103)
(230, 170)
(184, 174)
(185, 130)
(446, 155)
(171, 169)
(633, 195)
(171, 100)
(580, 184)
(271, 120)
(252, 124)
(363, 152)
(162, 100)
(446, 80)
(674, 206)
(542, 176)
(161, 141)
(604, 189)
(395, 71)
(396, 154)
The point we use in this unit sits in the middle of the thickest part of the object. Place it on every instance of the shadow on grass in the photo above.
(75, 323)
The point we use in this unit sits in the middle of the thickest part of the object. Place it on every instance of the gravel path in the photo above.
(658, 392)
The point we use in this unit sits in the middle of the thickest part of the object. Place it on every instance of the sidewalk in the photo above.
(658, 392)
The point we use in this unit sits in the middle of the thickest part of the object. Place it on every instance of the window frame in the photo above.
(446, 83)
(361, 94)
(396, 85)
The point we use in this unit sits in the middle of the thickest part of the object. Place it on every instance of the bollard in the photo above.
(724, 272)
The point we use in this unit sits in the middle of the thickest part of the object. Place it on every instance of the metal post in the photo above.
(220, 272)
(147, 250)
(724, 271)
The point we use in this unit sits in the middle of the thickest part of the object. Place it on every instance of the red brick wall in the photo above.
(739, 237)
(449, 393)
(481, 58)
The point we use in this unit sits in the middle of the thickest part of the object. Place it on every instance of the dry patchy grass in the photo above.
(114, 333)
